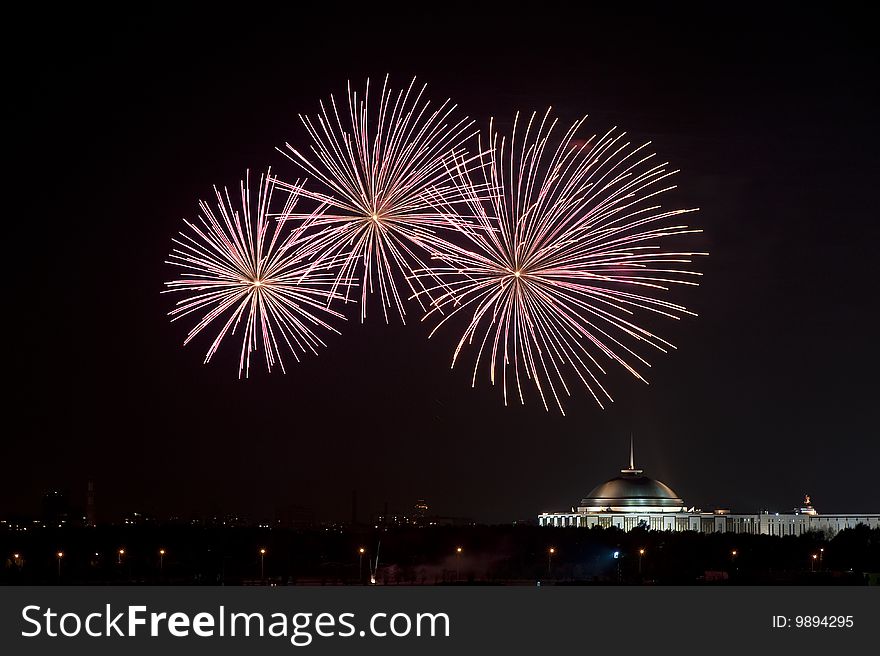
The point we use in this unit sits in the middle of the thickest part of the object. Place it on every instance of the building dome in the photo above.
(632, 492)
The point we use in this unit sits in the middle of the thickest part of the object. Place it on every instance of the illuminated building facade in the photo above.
(634, 500)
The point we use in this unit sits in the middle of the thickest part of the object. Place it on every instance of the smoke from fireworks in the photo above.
(374, 219)
(245, 271)
(559, 253)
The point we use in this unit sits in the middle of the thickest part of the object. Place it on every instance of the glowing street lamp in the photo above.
(813, 562)
(262, 562)
(550, 552)
(457, 563)
(161, 558)
(641, 553)
(821, 553)
(59, 556)
(120, 554)
(361, 552)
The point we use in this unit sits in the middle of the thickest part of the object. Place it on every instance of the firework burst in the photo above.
(558, 255)
(375, 162)
(245, 271)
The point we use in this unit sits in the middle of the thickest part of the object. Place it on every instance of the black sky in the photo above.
(121, 123)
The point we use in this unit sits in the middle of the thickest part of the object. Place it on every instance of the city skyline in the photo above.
(86, 512)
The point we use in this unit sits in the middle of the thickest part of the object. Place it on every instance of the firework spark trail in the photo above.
(558, 253)
(241, 273)
(374, 217)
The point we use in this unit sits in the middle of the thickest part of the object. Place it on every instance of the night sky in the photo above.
(120, 124)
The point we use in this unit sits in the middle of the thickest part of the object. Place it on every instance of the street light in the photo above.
(59, 555)
(550, 552)
(262, 562)
(641, 553)
(813, 562)
(361, 552)
(161, 558)
(821, 553)
(457, 563)
(121, 554)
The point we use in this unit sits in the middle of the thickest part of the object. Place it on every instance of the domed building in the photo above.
(633, 500)
(632, 492)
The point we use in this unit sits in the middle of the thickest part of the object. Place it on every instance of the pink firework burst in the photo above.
(375, 160)
(558, 255)
(243, 270)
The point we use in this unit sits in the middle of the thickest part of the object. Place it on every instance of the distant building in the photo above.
(634, 500)
(90, 504)
(135, 518)
(56, 508)
(420, 517)
(295, 516)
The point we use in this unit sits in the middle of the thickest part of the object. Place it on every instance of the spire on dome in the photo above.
(632, 466)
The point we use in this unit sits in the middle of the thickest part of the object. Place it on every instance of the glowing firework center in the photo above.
(633, 500)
